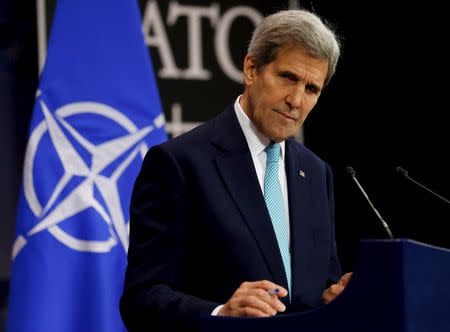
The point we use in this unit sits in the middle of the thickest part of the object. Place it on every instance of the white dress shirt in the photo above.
(257, 143)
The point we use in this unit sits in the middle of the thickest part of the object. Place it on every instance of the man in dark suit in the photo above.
(235, 217)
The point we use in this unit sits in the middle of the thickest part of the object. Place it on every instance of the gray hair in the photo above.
(298, 28)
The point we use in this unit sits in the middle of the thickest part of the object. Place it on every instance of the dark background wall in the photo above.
(386, 107)
(18, 79)
(18, 76)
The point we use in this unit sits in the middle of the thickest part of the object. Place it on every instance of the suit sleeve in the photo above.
(152, 299)
(335, 267)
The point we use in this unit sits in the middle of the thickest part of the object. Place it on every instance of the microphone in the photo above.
(406, 176)
(352, 172)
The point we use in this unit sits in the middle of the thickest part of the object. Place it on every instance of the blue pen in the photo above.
(273, 291)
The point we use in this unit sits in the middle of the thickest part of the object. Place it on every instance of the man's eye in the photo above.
(312, 89)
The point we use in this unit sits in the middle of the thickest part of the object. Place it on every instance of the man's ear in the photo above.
(249, 69)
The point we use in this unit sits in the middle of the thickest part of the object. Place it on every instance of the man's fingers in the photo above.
(345, 279)
(247, 306)
(252, 299)
(336, 289)
(267, 286)
(331, 292)
(260, 304)
(261, 299)
(228, 310)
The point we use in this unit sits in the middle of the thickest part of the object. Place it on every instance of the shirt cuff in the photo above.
(216, 310)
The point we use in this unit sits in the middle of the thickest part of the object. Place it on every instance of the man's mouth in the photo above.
(287, 115)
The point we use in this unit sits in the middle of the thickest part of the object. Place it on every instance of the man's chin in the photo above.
(283, 135)
(279, 138)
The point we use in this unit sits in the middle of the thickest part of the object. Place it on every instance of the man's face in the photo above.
(279, 96)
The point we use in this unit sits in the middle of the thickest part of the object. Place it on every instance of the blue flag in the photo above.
(97, 112)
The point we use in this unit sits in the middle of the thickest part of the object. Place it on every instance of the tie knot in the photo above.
(273, 152)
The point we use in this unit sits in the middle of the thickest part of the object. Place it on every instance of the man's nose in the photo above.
(295, 96)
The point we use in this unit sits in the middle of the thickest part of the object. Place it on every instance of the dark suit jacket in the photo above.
(200, 227)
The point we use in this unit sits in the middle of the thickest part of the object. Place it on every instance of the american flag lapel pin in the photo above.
(301, 173)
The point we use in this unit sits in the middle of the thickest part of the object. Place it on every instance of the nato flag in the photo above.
(97, 112)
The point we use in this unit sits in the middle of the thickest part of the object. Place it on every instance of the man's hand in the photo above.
(334, 290)
(252, 299)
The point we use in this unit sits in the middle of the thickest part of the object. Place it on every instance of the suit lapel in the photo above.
(235, 165)
(300, 216)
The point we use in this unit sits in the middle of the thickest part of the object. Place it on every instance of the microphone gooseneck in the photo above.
(404, 173)
(352, 173)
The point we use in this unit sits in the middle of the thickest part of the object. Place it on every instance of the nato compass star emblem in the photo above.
(86, 186)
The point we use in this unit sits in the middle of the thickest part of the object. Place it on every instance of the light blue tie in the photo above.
(275, 204)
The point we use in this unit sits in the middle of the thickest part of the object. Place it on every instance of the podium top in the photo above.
(405, 242)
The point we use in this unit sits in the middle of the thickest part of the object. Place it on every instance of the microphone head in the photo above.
(401, 171)
(350, 171)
